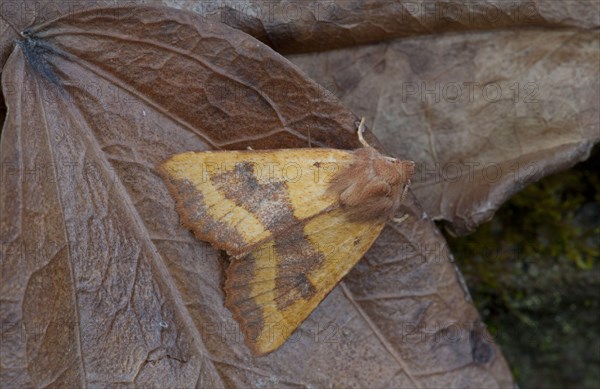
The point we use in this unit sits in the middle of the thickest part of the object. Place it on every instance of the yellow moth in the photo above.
(295, 222)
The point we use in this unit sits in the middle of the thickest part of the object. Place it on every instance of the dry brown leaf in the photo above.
(292, 26)
(99, 283)
(16, 15)
(482, 114)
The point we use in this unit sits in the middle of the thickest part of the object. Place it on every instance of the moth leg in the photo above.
(402, 197)
(399, 220)
(404, 191)
(361, 130)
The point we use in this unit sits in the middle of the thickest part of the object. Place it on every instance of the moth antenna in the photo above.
(309, 144)
(361, 130)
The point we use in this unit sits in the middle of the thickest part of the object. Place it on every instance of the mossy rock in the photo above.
(533, 273)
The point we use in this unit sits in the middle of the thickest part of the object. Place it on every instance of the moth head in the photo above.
(393, 170)
(405, 169)
(397, 174)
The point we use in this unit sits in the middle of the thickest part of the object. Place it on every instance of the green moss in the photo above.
(534, 274)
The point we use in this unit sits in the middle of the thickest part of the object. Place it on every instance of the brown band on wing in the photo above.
(240, 276)
(270, 203)
(267, 201)
(193, 212)
(297, 259)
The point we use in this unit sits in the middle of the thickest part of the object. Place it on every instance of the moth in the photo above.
(294, 221)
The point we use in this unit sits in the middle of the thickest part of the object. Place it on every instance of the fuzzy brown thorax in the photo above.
(373, 186)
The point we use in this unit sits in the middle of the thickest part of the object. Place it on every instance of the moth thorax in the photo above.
(371, 186)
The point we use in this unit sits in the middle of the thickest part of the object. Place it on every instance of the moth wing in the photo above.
(272, 290)
(238, 199)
